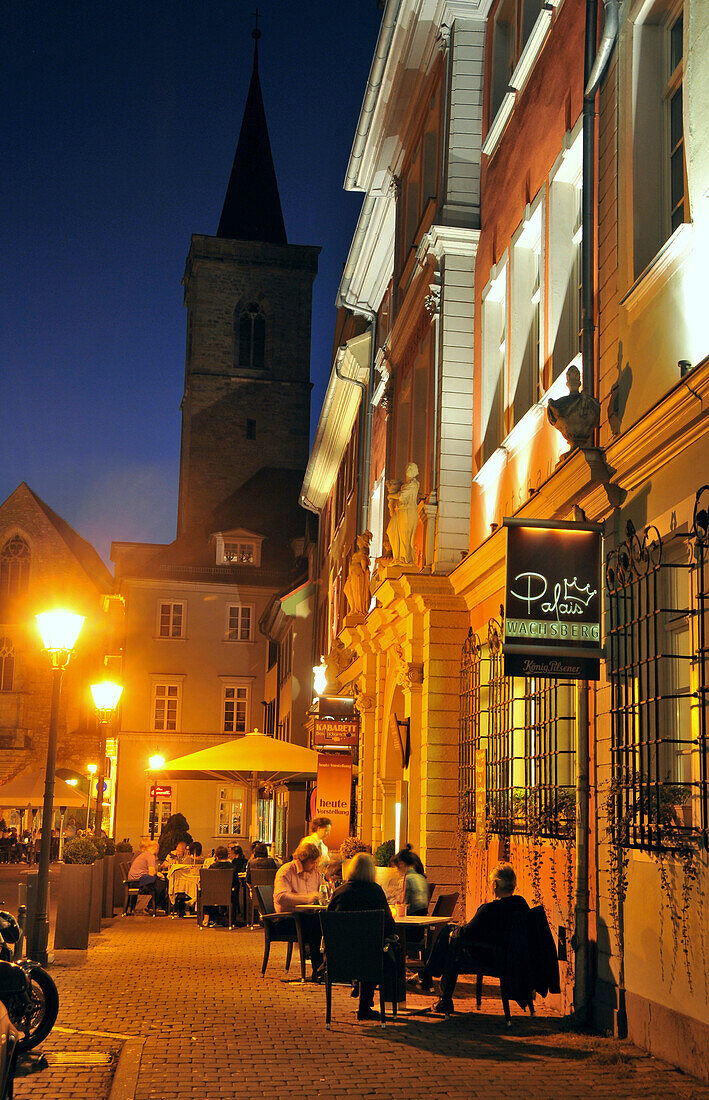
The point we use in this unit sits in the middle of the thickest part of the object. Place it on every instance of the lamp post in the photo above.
(91, 769)
(105, 696)
(59, 631)
(156, 762)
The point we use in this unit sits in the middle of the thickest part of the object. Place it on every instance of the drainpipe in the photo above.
(366, 414)
(595, 66)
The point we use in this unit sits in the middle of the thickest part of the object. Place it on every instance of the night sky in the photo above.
(119, 124)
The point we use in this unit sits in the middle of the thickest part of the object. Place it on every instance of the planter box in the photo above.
(96, 896)
(122, 861)
(74, 908)
(107, 910)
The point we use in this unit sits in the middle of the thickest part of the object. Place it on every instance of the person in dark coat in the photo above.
(259, 860)
(361, 893)
(478, 945)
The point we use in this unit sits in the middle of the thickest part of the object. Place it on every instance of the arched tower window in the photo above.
(252, 337)
(7, 664)
(14, 566)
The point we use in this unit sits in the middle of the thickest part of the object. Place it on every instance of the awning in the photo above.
(26, 791)
(244, 759)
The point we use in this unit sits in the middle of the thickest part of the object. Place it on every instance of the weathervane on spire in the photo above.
(256, 33)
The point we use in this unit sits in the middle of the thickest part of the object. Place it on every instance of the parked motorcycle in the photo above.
(26, 989)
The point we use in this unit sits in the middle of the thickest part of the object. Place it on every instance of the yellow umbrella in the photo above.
(244, 759)
(26, 791)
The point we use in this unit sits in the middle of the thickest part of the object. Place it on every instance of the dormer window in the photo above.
(239, 553)
(238, 547)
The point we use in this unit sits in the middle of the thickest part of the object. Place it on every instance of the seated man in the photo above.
(297, 883)
(475, 946)
(144, 871)
(176, 857)
(213, 914)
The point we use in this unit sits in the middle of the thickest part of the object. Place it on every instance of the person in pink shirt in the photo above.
(297, 883)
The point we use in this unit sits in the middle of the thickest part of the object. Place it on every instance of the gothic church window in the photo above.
(14, 566)
(7, 664)
(252, 337)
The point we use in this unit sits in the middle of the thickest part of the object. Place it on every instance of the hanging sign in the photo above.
(553, 599)
(334, 794)
(480, 797)
(160, 792)
(335, 733)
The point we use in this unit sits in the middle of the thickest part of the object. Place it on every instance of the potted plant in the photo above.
(75, 907)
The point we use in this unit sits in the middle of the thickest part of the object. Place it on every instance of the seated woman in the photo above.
(361, 892)
(237, 857)
(260, 860)
(415, 886)
(144, 871)
(194, 852)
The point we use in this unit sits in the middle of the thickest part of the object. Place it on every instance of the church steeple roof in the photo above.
(252, 207)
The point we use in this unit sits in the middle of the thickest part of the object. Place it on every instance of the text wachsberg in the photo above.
(539, 628)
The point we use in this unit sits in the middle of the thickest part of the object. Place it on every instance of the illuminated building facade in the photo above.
(539, 358)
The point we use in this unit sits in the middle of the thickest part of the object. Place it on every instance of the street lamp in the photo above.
(91, 769)
(106, 696)
(156, 762)
(59, 631)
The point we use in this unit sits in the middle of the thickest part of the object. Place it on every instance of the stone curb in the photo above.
(125, 1079)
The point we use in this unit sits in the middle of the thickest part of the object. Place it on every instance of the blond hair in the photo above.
(361, 868)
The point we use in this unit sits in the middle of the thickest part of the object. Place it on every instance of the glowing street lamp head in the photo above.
(59, 630)
(71, 782)
(156, 762)
(106, 695)
(92, 768)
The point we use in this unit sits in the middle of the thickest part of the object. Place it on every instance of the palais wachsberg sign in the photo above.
(553, 599)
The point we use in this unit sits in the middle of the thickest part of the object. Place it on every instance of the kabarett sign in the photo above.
(334, 794)
(335, 733)
(553, 599)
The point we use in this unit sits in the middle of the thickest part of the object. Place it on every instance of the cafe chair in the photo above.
(131, 892)
(259, 876)
(443, 906)
(526, 965)
(278, 928)
(354, 952)
(215, 890)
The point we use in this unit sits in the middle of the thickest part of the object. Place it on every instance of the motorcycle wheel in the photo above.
(45, 1008)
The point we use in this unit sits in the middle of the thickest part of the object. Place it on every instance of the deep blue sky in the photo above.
(119, 124)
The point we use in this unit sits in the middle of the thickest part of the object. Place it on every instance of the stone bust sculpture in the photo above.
(576, 415)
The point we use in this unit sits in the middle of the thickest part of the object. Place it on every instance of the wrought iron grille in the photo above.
(469, 739)
(657, 635)
(527, 728)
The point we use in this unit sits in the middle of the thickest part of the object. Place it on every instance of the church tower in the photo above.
(248, 295)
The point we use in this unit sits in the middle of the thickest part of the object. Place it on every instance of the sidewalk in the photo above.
(191, 1012)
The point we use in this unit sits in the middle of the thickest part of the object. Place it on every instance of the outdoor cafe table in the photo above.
(183, 878)
(402, 923)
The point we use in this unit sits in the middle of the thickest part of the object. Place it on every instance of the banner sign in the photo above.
(334, 794)
(335, 733)
(553, 600)
(480, 797)
(160, 792)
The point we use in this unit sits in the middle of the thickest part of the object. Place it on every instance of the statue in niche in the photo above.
(403, 512)
(577, 415)
(357, 583)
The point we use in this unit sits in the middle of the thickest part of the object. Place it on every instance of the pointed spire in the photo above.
(252, 207)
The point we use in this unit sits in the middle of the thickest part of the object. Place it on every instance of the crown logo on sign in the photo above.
(573, 593)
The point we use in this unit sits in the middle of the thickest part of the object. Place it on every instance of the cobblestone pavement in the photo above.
(214, 1028)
